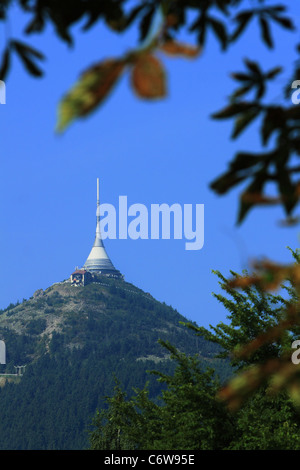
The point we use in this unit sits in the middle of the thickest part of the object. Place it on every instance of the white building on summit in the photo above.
(98, 262)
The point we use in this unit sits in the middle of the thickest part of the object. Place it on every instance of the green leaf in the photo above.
(89, 92)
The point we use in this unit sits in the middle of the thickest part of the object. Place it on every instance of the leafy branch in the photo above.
(278, 122)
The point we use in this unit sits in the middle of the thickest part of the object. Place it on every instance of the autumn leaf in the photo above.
(174, 48)
(258, 198)
(90, 91)
(148, 77)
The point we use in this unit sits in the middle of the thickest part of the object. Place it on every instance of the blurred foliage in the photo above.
(263, 328)
(160, 23)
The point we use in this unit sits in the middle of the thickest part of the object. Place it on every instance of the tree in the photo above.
(268, 353)
(258, 342)
(186, 416)
(266, 423)
(193, 419)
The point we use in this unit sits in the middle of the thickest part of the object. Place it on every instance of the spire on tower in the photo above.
(98, 261)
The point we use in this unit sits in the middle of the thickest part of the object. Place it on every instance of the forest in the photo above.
(111, 334)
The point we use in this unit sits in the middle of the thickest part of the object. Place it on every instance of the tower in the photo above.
(98, 261)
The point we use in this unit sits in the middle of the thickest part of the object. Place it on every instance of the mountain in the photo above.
(75, 342)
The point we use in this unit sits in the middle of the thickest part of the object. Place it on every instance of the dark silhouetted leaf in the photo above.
(242, 91)
(268, 126)
(253, 67)
(244, 120)
(27, 55)
(225, 182)
(26, 49)
(220, 31)
(272, 74)
(244, 160)
(146, 23)
(5, 63)
(242, 77)
(287, 189)
(249, 197)
(283, 21)
(265, 32)
(37, 24)
(233, 110)
(242, 19)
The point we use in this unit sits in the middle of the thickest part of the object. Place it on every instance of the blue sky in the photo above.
(162, 152)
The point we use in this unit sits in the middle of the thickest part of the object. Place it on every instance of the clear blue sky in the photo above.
(162, 152)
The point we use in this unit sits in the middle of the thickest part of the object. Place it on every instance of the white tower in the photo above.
(98, 260)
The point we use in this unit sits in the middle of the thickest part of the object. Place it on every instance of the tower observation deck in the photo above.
(98, 261)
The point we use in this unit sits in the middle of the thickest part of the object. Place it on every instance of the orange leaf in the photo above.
(174, 48)
(148, 77)
(258, 198)
(171, 20)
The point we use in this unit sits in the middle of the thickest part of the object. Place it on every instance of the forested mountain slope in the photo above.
(75, 342)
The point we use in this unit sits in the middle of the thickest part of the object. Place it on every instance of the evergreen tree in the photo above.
(190, 414)
(186, 417)
(266, 420)
(252, 312)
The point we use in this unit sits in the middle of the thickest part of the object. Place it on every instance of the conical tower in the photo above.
(98, 261)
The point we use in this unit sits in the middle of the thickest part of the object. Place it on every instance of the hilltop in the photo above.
(75, 341)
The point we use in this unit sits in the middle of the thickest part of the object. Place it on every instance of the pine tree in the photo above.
(186, 416)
